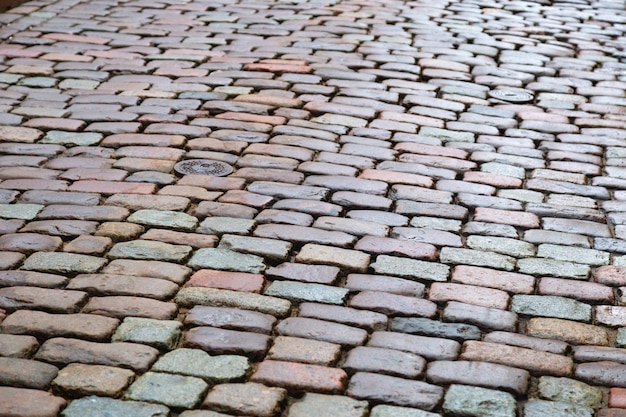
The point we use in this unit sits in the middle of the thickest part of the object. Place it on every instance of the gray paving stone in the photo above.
(150, 250)
(164, 218)
(222, 225)
(168, 389)
(410, 268)
(271, 248)
(197, 363)
(109, 407)
(572, 254)
(189, 297)
(226, 260)
(540, 408)
(393, 411)
(161, 334)
(63, 263)
(328, 405)
(20, 211)
(541, 266)
(551, 306)
(303, 292)
(476, 257)
(478, 402)
(570, 391)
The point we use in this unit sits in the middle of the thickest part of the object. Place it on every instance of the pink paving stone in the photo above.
(484, 277)
(612, 275)
(481, 296)
(492, 179)
(236, 281)
(515, 218)
(581, 290)
(300, 377)
(113, 187)
(384, 245)
(394, 177)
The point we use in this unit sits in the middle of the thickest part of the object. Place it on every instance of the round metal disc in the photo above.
(203, 167)
(512, 95)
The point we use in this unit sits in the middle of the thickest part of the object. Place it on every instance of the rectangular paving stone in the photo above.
(300, 377)
(484, 374)
(393, 390)
(327, 255)
(299, 292)
(77, 380)
(486, 297)
(295, 349)
(64, 351)
(364, 319)
(410, 268)
(23, 402)
(228, 260)
(320, 274)
(274, 249)
(222, 341)
(385, 361)
(63, 263)
(25, 373)
(485, 277)
(394, 411)
(154, 269)
(110, 284)
(573, 254)
(170, 390)
(150, 250)
(321, 330)
(249, 399)
(431, 348)
(551, 306)
(490, 318)
(121, 306)
(476, 401)
(230, 318)
(543, 266)
(51, 300)
(45, 325)
(535, 361)
(393, 304)
(189, 297)
(195, 362)
(568, 331)
(521, 340)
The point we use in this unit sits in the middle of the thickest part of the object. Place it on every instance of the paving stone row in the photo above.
(425, 215)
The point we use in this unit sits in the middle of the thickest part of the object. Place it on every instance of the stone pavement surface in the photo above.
(426, 217)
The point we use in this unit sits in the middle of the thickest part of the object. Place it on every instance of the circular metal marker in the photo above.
(512, 95)
(203, 167)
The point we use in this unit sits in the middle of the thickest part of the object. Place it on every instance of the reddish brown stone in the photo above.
(16, 402)
(121, 306)
(300, 377)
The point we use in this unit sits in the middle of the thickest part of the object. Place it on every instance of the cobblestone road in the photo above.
(427, 214)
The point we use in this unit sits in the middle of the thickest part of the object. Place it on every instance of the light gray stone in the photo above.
(300, 292)
(150, 250)
(189, 297)
(63, 263)
(540, 408)
(161, 334)
(164, 218)
(20, 211)
(464, 256)
(198, 363)
(171, 390)
(512, 247)
(108, 407)
(479, 402)
(226, 260)
(551, 267)
(551, 306)
(393, 411)
(271, 248)
(570, 391)
(328, 405)
(574, 254)
(222, 225)
(410, 268)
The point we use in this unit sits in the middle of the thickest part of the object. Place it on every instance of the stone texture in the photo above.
(328, 405)
(475, 401)
(171, 390)
(248, 399)
(78, 380)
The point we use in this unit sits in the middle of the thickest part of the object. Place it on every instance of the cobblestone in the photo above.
(426, 208)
